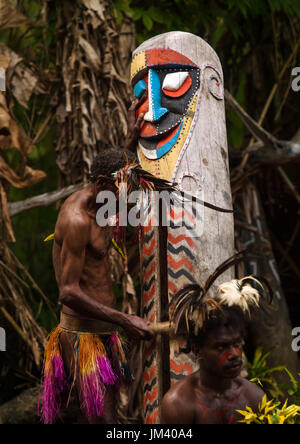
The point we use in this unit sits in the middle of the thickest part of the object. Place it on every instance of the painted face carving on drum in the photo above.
(166, 82)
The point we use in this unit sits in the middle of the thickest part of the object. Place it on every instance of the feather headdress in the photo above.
(192, 302)
(137, 178)
(132, 177)
(241, 293)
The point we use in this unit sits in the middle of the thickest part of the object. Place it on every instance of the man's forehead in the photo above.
(223, 335)
(150, 58)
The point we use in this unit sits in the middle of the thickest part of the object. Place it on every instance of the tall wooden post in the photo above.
(182, 139)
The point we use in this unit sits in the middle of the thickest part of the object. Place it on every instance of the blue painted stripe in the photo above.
(157, 110)
(140, 88)
(162, 150)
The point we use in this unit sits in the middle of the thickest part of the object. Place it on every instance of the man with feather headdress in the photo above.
(216, 330)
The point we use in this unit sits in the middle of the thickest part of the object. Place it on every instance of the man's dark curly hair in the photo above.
(231, 318)
(110, 161)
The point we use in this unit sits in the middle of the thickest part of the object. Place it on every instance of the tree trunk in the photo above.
(271, 327)
(94, 55)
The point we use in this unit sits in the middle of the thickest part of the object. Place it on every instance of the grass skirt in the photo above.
(98, 365)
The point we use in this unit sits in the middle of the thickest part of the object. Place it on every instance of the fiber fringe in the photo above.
(54, 381)
(97, 365)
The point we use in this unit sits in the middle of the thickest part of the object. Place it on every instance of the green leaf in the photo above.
(147, 20)
(257, 356)
(293, 380)
(137, 14)
(218, 34)
(119, 16)
(263, 358)
(157, 15)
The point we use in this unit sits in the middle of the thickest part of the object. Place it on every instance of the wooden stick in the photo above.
(162, 327)
(255, 129)
(269, 101)
(289, 184)
(246, 226)
(287, 257)
(43, 200)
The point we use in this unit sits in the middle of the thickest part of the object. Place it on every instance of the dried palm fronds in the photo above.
(95, 54)
(16, 289)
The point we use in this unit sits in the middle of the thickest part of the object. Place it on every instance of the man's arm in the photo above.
(255, 395)
(134, 124)
(72, 258)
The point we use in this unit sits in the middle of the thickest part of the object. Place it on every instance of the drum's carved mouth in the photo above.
(161, 136)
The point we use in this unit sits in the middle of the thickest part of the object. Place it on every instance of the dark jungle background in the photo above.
(67, 91)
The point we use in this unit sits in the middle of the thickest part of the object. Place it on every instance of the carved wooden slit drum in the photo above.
(179, 79)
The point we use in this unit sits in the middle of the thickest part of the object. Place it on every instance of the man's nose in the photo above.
(155, 111)
(234, 353)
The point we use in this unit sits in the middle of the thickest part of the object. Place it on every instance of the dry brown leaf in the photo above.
(10, 17)
(91, 55)
(30, 176)
(22, 81)
(4, 61)
(23, 84)
(14, 284)
(116, 266)
(14, 136)
(96, 6)
(96, 84)
(5, 222)
(130, 285)
(13, 57)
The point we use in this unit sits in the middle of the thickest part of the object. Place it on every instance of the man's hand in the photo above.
(133, 130)
(137, 328)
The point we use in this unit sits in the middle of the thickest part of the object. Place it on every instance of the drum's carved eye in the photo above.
(177, 83)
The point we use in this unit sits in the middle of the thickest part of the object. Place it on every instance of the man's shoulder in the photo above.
(181, 389)
(178, 402)
(72, 220)
(252, 392)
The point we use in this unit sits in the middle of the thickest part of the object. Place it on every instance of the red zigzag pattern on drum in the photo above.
(149, 269)
(181, 272)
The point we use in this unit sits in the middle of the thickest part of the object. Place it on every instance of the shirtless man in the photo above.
(214, 393)
(81, 262)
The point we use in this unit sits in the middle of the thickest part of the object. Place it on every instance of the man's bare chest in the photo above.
(100, 242)
(220, 410)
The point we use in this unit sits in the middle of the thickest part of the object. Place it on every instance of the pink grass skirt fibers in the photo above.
(97, 366)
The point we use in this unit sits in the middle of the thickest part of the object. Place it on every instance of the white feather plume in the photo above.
(234, 293)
